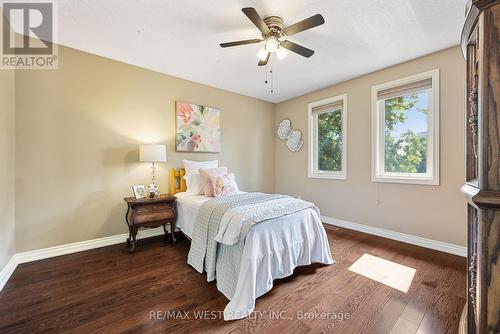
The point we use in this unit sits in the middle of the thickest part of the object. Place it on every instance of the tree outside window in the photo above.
(330, 141)
(406, 133)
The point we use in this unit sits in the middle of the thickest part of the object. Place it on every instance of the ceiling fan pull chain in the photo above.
(272, 81)
(269, 79)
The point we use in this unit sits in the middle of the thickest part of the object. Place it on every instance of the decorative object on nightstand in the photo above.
(150, 212)
(139, 192)
(153, 153)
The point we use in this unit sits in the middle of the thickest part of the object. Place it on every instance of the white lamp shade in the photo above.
(153, 153)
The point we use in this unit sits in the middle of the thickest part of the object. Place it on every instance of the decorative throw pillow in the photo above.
(193, 182)
(205, 179)
(223, 184)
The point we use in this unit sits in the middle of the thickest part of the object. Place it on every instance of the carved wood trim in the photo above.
(473, 102)
(481, 44)
(483, 4)
(487, 199)
(473, 281)
(489, 100)
(472, 118)
(469, 25)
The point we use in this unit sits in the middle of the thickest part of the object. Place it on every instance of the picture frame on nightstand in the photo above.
(139, 192)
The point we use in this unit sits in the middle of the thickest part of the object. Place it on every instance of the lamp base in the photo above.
(153, 190)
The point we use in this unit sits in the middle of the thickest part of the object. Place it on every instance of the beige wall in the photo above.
(77, 133)
(7, 160)
(434, 212)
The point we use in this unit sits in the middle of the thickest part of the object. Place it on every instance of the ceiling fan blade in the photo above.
(311, 22)
(236, 43)
(264, 62)
(252, 14)
(299, 49)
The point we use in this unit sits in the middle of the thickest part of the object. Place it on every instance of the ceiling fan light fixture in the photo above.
(262, 54)
(281, 53)
(272, 44)
(272, 30)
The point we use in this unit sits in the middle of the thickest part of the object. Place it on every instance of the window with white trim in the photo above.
(405, 130)
(327, 145)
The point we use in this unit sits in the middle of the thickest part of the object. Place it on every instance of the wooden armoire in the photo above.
(481, 48)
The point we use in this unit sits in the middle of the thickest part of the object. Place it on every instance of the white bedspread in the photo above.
(272, 250)
(244, 217)
(298, 239)
(187, 207)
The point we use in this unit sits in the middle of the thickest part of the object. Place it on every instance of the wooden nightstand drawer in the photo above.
(153, 207)
(153, 217)
(161, 206)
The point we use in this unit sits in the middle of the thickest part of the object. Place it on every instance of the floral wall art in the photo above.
(198, 128)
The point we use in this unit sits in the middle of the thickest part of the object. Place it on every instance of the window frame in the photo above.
(312, 152)
(431, 177)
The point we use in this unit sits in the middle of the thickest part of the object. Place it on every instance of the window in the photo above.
(327, 151)
(405, 130)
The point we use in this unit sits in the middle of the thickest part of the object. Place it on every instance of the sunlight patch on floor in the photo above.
(390, 273)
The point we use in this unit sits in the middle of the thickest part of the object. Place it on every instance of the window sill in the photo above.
(330, 176)
(416, 180)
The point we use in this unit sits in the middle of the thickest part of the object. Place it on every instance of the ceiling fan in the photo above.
(273, 32)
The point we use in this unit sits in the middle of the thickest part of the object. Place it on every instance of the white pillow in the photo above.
(194, 185)
(191, 166)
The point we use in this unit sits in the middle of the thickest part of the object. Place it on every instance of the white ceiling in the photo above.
(182, 37)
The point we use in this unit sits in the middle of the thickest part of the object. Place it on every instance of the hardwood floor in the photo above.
(108, 290)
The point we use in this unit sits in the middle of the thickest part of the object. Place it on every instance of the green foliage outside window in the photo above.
(330, 141)
(406, 152)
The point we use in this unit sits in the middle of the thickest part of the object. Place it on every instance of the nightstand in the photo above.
(150, 212)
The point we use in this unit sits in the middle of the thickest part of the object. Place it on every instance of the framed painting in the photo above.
(197, 128)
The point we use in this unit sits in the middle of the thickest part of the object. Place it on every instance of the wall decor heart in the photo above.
(292, 137)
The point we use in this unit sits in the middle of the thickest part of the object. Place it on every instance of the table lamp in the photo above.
(153, 153)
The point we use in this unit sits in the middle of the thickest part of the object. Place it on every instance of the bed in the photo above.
(244, 263)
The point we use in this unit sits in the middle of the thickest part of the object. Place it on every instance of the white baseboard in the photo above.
(407, 238)
(46, 253)
(7, 271)
(49, 252)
